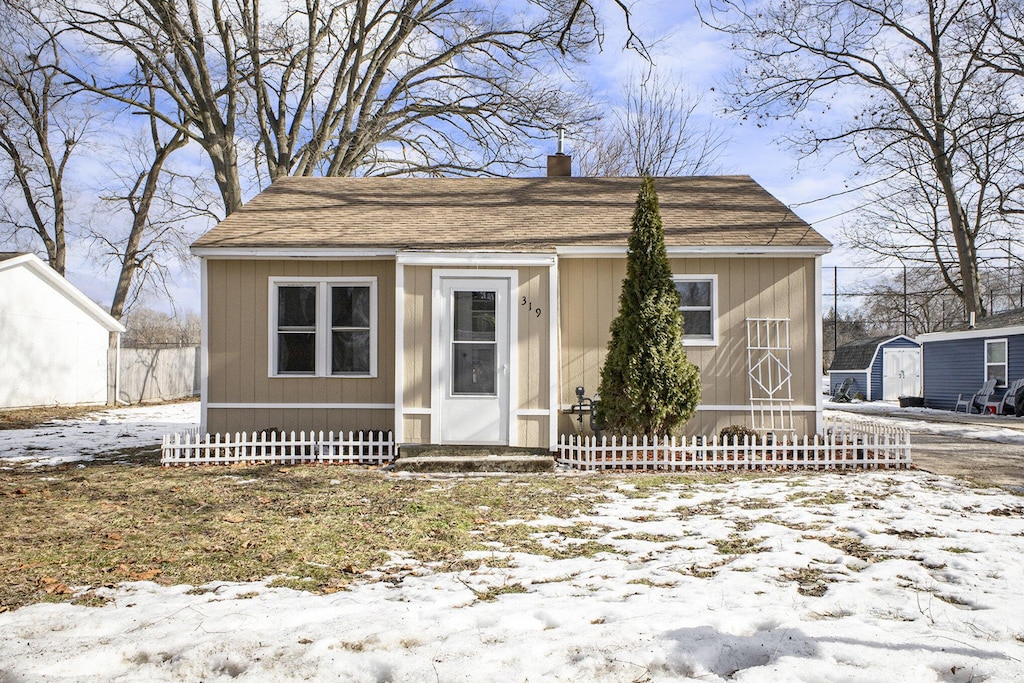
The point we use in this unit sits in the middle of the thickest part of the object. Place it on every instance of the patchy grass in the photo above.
(810, 582)
(739, 545)
(853, 547)
(808, 498)
(27, 418)
(957, 550)
(71, 529)
(316, 528)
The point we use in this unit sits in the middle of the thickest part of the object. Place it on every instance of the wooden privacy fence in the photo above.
(278, 448)
(846, 444)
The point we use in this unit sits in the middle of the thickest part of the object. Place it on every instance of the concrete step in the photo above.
(434, 458)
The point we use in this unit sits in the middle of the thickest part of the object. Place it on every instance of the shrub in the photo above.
(648, 387)
(736, 433)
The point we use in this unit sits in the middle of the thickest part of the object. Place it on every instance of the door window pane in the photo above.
(473, 316)
(474, 369)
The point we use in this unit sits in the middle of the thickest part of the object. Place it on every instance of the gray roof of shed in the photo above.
(505, 214)
(857, 355)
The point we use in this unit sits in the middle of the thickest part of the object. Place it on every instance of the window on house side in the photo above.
(995, 360)
(296, 330)
(350, 330)
(324, 327)
(698, 295)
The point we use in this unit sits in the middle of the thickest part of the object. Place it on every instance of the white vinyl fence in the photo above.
(846, 444)
(277, 448)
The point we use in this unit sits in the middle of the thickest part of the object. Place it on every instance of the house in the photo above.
(881, 368)
(960, 359)
(468, 310)
(53, 338)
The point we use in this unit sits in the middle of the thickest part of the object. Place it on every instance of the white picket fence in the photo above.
(190, 448)
(845, 444)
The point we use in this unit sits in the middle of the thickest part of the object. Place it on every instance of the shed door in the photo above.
(901, 373)
(474, 361)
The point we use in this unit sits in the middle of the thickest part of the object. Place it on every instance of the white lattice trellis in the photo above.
(771, 394)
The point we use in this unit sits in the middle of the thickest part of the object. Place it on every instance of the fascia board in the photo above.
(61, 284)
(970, 334)
(474, 258)
(718, 250)
(290, 253)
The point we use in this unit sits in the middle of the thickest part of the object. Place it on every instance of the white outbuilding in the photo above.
(54, 340)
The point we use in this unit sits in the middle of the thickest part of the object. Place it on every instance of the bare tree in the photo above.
(336, 88)
(40, 130)
(151, 238)
(147, 327)
(657, 131)
(896, 82)
(1005, 54)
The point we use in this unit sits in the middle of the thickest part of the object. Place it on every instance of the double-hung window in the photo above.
(323, 327)
(995, 360)
(698, 302)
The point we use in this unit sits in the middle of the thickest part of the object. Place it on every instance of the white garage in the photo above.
(53, 338)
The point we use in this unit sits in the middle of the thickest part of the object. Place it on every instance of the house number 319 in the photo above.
(529, 306)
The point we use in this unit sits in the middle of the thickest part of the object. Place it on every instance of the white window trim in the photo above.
(1006, 358)
(703, 341)
(323, 324)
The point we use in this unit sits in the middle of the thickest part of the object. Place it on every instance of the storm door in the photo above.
(474, 361)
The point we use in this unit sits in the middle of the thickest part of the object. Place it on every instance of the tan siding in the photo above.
(533, 431)
(416, 429)
(531, 343)
(231, 420)
(533, 337)
(747, 288)
(239, 335)
(417, 347)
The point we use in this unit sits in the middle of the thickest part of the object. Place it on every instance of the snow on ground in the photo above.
(931, 421)
(895, 576)
(65, 441)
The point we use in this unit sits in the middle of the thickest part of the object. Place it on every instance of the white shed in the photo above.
(53, 338)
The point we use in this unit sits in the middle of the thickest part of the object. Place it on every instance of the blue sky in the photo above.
(682, 47)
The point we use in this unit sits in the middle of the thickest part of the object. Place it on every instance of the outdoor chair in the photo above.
(976, 400)
(842, 393)
(1005, 405)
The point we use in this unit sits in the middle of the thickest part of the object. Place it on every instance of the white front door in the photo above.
(901, 373)
(472, 357)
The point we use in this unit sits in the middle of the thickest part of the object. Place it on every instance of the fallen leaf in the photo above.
(234, 519)
(147, 575)
(21, 492)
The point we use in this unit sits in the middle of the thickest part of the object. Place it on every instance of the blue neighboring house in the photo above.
(959, 360)
(882, 368)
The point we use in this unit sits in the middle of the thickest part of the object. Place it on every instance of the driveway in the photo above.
(983, 462)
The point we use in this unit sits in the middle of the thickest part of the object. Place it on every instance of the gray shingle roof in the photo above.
(505, 214)
(856, 355)
(1005, 319)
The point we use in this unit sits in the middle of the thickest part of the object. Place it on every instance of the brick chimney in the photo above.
(560, 164)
